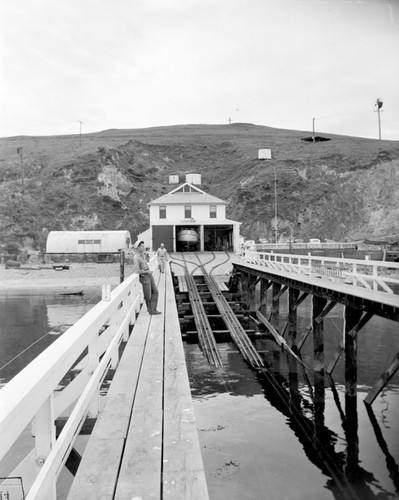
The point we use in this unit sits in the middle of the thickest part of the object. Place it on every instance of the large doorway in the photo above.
(188, 239)
(218, 238)
(162, 234)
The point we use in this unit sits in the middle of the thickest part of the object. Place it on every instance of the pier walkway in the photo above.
(145, 442)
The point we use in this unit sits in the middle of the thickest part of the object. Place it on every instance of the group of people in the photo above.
(146, 278)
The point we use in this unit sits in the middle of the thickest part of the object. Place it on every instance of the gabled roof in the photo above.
(187, 194)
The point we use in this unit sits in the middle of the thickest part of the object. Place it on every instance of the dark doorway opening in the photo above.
(218, 238)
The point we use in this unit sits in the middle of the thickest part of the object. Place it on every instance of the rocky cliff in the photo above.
(342, 188)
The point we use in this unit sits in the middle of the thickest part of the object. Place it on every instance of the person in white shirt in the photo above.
(162, 254)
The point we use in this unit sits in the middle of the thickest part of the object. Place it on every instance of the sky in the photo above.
(143, 63)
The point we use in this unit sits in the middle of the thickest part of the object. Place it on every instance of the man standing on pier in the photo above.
(147, 281)
(162, 255)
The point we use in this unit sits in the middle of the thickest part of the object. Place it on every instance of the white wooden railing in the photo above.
(370, 274)
(33, 396)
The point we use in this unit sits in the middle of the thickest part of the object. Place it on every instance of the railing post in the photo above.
(92, 365)
(44, 431)
(375, 275)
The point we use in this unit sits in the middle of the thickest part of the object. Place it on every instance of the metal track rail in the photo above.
(237, 332)
(205, 335)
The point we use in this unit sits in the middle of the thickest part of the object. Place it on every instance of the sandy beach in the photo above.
(77, 277)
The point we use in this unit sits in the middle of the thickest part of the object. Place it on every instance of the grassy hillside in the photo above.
(344, 188)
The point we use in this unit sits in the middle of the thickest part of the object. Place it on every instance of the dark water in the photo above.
(29, 324)
(261, 437)
(264, 437)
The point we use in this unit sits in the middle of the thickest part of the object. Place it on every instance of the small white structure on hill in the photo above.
(87, 242)
(188, 219)
(264, 154)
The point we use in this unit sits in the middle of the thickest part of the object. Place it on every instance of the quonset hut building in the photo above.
(188, 219)
(95, 245)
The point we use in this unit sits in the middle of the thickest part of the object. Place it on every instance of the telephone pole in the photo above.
(80, 132)
(19, 151)
(275, 202)
(379, 104)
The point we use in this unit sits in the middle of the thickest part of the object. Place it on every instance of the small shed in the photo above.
(264, 154)
(87, 242)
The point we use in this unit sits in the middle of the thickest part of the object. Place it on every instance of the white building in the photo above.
(87, 242)
(187, 218)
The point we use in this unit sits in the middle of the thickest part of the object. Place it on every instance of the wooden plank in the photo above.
(183, 470)
(141, 467)
(106, 443)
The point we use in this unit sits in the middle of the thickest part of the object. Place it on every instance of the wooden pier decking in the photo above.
(145, 442)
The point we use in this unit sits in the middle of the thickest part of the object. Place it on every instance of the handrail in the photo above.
(361, 273)
(34, 395)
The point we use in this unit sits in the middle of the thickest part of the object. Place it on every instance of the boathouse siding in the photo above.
(187, 207)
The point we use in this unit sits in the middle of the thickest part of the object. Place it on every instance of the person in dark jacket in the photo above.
(147, 281)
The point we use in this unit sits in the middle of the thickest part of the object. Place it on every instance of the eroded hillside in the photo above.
(344, 188)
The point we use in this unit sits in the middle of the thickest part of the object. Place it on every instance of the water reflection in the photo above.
(30, 323)
(318, 416)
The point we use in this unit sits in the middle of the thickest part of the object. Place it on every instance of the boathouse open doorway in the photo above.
(188, 238)
(218, 238)
(163, 234)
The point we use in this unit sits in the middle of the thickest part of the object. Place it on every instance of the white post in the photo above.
(44, 431)
(106, 292)
(92, 365)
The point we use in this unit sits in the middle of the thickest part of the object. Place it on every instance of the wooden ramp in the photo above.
(145, 442)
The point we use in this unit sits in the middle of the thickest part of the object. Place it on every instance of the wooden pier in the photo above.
(144, 440)
(146, 435)
(144, 443)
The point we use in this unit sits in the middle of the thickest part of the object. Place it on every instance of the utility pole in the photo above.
(80, 132)
(275, 202)
(19, 151)
(379, 104)
(313, 136)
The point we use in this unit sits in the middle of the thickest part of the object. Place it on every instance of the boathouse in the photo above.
(188, 219)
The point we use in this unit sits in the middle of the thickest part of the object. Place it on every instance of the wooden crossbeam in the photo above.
(253, 285)
(360, 324)
(363, 320)
(304, 336)
(279, 339)
(325, 311)
(335, 359)
(383, 380)
(280, 293)
(300, 299)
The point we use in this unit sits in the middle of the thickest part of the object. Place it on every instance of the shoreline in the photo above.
(78, 277)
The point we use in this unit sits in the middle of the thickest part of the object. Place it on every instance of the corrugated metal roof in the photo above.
(181, 198)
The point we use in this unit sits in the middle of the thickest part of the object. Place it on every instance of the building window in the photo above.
(187, 211)
(212, 211)
(162, 211)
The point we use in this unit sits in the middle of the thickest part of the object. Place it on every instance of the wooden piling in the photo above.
(275, 308)
(264, 285)
(293, 295)
(317, 330)
(351, 319)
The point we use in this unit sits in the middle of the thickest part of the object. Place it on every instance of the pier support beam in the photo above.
(275, 309)
(351, 319)
(318, 329)
(264, 285)
(293, 295)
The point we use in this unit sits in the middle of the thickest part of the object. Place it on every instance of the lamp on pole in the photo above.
(275, 202)
(379, 104)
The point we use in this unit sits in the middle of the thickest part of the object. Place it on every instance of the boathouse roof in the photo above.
(186, 193)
